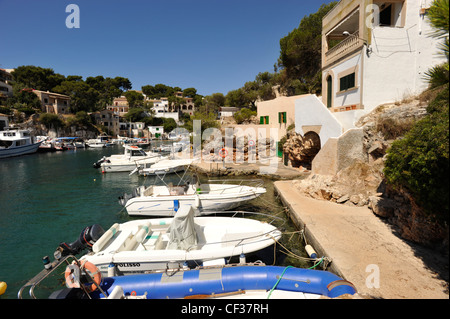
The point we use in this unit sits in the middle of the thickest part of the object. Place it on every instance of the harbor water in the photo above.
(48, 198)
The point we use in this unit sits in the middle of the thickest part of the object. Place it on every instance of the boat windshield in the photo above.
(138, 153)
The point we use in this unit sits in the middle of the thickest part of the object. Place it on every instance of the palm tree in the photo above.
(438, 15)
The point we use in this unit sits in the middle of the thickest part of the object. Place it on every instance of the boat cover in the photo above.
(182, 229)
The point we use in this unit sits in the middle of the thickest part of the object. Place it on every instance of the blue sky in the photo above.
(212, 45)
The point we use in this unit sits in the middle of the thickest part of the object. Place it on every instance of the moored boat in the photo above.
(144, 245)
(162, 200)
(233, 281)
(128, 161)
(16, 143)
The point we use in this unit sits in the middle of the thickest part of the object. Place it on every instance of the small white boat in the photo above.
(47, 144)
(99, 142)
(164, 200)
(128, 161)
(79, 143)
(95, 143)
(145, 245)
(174, 147)
(16, 143)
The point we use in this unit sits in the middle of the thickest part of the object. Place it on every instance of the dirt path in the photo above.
(365, 250)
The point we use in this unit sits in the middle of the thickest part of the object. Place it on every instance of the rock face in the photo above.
(362, 182)
(301, 150)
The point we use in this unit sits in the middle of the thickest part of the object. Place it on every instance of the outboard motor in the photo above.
(124, 199)
(87, 239)
(100, 161)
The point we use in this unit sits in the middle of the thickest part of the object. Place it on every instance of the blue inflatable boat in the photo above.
(208, 281)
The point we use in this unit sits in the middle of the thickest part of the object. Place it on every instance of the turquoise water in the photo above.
(48, 198)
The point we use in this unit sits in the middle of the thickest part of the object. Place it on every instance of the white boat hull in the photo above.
(127, 165)
(219, 238)
(96, 145)
(165, 206)
(221, 199)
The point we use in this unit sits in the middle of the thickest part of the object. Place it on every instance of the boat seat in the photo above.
(150, 240)
(118, 244)
(135, 238)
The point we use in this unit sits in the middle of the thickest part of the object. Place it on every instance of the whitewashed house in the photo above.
(156, 131)
(373, 52)
(161, 109)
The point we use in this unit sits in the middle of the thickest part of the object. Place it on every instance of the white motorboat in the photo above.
(47, 144)
(99, 142)
(145, 245)
(132, 157)
(95, 143)
(16, 143)
(164, 200)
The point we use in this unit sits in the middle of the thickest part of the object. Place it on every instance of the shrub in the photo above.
(51, 120)
(244, 115)
(420, 161)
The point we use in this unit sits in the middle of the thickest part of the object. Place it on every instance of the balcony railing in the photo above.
(351, 43)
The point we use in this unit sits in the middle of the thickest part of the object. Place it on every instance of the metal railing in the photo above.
(36, 280)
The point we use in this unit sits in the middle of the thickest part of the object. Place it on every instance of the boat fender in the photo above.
(94, 273)
(117, 293)
(310, 251)
(340, 287)
(3, 287)
(242, 259)
(197, 202)
(46, 262)
(111, 270)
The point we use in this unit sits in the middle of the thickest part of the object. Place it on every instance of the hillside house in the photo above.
(54, 103)
(373, 52)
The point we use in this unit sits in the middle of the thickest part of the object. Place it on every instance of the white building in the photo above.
(227, 111)
(156, 131)
(161, 109)
(373, 52)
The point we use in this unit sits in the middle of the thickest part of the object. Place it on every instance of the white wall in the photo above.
(352, 96)
(310, 111)
(399, 59)
(167, 115)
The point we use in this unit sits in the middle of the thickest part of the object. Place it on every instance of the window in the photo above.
(385, 15)
(282, 117)
(347, 82)
(391, 13)
(264, 120)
